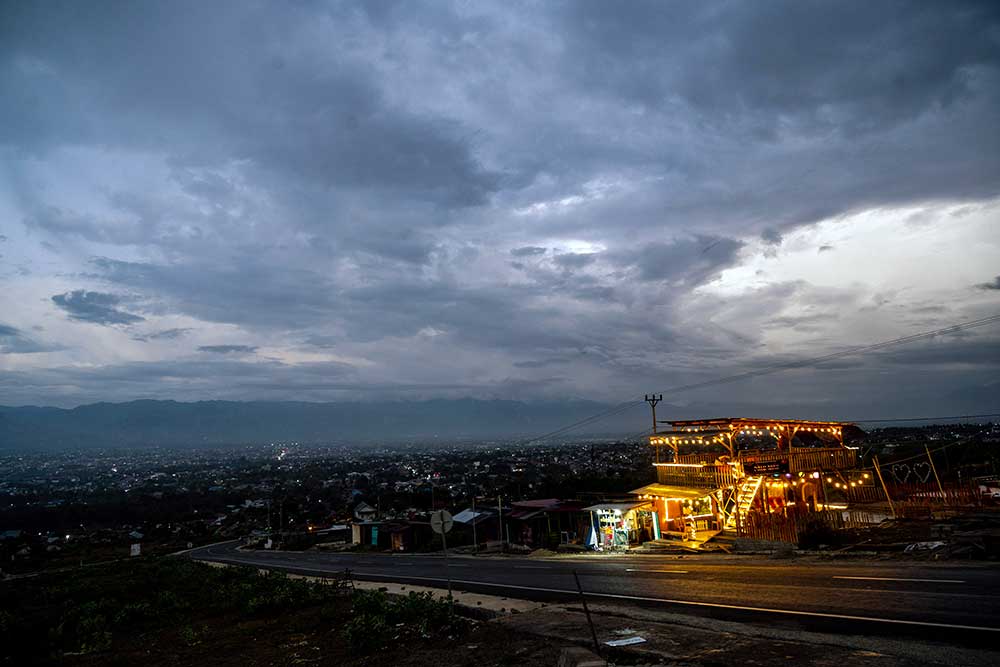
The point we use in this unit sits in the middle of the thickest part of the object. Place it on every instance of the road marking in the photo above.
(631, 569)
(531, 567)
(937, 581)
(563, 591)
(789, 612)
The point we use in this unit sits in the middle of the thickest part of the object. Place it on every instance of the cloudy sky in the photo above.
(324, 201)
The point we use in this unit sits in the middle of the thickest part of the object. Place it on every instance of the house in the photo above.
(543, 523)
(364, 512)
(473, 527)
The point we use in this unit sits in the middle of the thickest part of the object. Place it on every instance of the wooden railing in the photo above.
(709, 476)
(807, 460)
(711, 472)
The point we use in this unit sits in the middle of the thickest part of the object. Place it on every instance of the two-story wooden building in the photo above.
(713, 474)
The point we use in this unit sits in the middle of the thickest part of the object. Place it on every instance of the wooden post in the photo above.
(934, 468)
(878, 469)
(447, 568)
(593, 633)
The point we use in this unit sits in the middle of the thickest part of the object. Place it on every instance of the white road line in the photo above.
(938, 581)
(631, 569)
(790, 612)
(614, 596)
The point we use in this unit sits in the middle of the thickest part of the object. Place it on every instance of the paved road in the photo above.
(947, 603)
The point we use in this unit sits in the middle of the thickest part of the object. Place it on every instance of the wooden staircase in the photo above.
(745, 496)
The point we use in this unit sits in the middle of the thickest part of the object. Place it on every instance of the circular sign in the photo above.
(441, 521)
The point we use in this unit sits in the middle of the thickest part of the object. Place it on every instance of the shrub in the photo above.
(377, 619)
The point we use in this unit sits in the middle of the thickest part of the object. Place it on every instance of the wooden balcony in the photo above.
(701, 470)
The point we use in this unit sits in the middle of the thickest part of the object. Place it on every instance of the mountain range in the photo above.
(154, 422)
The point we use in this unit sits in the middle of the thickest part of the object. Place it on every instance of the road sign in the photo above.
(441, 521)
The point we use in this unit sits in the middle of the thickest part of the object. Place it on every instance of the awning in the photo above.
(672, 492)
(621, 507)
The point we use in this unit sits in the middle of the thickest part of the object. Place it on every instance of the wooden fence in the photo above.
(787, 527)
(914, 501)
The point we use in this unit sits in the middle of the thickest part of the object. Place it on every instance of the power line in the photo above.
(790, 365)
(920, 419)
(774, 368)
(616, 410)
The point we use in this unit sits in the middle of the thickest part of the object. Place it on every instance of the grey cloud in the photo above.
(96, 307)
(351, 176)
(13, 341)
(527, 251)
(825, 248)
(771, 236)
(690, 260)
(206, 379)
(991, 285)
(64, 223)
(243, 292)
(542, 363)
(574, 260)
(218, 91)
(227, 349)
(166, 334)
(788, 57)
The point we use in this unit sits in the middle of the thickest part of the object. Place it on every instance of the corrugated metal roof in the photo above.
(678, 492)
(621, 507)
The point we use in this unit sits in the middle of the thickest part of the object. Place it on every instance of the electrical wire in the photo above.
(801, 363)
(774, 368)
(920, 419)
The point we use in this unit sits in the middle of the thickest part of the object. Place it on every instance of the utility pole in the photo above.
(653, 399)
(475, 539)
(499, 520)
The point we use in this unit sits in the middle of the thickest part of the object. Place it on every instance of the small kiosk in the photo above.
(617, 526)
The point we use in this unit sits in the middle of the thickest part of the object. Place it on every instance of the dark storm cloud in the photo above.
(788, 57)
(376, 174)
(96, 307)
(227, 349)
(225, 89)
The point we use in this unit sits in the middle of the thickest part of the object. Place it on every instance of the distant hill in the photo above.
(146, 423)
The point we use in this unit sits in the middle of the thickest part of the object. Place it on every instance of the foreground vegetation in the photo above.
(175, 611)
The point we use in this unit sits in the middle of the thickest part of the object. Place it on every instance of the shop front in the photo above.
(686, 512)
(617, 526)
